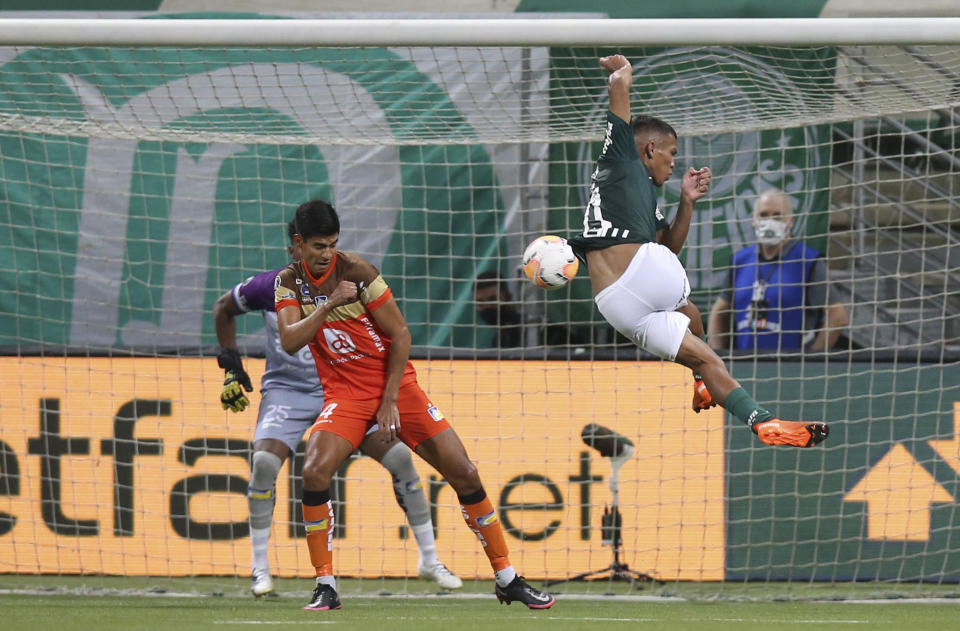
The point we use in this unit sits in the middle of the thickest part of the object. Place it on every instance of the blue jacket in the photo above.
(769, 297)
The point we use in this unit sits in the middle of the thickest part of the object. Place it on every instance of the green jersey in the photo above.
(623, 199)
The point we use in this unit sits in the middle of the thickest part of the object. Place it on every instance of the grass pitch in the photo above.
(102, 604)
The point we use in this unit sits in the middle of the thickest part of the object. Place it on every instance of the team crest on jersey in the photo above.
(339, 341)
(658, 213)
(304, 289)
(435, 413)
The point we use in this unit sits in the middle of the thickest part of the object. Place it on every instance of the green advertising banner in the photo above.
(876, 501)
(691, 8)
(126, 237)
(122, 241)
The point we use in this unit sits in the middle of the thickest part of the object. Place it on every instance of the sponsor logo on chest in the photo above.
(339, 341)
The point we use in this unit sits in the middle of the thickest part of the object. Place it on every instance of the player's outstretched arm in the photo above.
(224, 321)
(696, 183)
(620, 80)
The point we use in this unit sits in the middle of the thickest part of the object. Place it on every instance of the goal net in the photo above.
(140, 182)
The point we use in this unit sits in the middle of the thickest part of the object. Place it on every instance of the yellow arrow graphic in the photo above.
(898, 493)
(949, 450)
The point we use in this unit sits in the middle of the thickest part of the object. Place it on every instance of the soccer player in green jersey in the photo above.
(630, 250)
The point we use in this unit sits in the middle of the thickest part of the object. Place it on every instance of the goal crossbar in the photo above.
(478, 32)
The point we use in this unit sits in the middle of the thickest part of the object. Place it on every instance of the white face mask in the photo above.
(770, 231)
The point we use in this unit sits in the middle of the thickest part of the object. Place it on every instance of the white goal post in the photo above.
(148, 166)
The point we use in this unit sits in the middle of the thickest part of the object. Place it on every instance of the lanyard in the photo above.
(774, 264)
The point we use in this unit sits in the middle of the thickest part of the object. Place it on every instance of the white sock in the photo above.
(259, 540)
(506, 576)
(425, 544)
(327, 580)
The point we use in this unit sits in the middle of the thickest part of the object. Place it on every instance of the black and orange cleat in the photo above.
(518, 590)
(793, 433)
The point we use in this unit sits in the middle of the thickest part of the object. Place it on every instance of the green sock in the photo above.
(741, 405)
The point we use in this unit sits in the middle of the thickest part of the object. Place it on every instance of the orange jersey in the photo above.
(350, 349)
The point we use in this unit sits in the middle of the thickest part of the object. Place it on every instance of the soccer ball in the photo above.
(549, 262)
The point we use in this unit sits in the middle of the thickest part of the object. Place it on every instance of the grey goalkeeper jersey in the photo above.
(297, 372)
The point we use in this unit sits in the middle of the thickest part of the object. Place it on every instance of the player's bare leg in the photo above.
(446, 453)
(396, 458)
(696, 355)
(268, 457)
(325, 453)
(702, 399)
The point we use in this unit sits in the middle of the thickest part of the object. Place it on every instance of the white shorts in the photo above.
(642, 303)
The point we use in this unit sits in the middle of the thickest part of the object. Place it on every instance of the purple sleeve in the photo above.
(256, 293)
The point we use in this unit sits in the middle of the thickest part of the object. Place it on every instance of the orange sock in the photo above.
(483, 521)
(318, 520)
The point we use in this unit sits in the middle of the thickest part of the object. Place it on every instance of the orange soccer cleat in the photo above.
(701, 396)
(794, 433)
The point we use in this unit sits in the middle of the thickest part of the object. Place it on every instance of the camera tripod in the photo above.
(610, 526)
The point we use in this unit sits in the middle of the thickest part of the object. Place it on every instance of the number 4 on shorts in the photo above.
(326, 413)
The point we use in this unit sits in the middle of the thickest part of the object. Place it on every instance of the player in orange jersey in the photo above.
(339, 305)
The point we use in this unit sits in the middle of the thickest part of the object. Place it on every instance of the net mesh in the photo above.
(140, 184)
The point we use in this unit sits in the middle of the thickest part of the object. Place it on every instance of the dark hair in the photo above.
(292, 228)
(316, 218)
(490, 278)
(647, 124)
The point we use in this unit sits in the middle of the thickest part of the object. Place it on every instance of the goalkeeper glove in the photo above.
(232, 397)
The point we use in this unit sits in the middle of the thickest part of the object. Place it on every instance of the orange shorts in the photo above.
(419, 418)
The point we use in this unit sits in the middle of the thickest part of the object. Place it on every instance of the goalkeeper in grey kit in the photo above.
(292, 397)
(639, 284)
